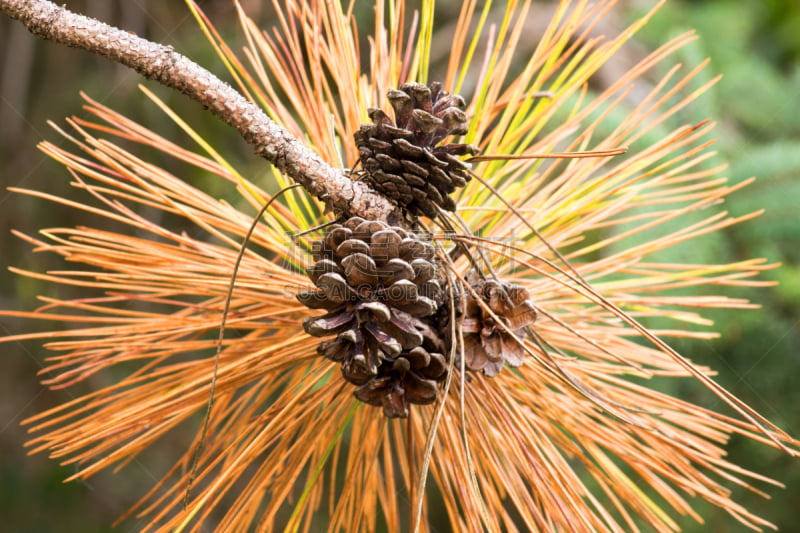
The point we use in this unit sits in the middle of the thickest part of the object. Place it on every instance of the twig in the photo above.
(162, 64)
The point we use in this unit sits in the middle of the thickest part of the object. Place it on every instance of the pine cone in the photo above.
(487, 346)
(378, 283)
(401, 157)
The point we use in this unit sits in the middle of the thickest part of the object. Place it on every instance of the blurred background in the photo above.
(754, 43)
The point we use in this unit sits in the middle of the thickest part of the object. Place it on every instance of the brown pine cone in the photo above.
(375, 281)
(403, 159)
(487, 346)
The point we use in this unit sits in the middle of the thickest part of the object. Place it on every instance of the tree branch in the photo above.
(162, 64)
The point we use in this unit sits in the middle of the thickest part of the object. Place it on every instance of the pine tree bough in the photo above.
(427, 172)
(162, 64)
(523, 377)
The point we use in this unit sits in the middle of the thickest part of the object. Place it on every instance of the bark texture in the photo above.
(162, 64)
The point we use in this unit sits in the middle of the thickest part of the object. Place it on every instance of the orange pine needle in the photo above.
(551, 155)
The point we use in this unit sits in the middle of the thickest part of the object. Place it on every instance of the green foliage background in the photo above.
(754, 43)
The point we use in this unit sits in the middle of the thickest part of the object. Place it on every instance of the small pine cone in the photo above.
(376, 281)
(487, 345)
(403, 159)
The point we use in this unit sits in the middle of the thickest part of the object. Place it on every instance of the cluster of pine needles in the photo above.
(484, 362)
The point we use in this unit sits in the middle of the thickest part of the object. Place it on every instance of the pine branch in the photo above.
(162, 64)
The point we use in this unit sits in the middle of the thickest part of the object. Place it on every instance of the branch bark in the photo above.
(162, 64)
